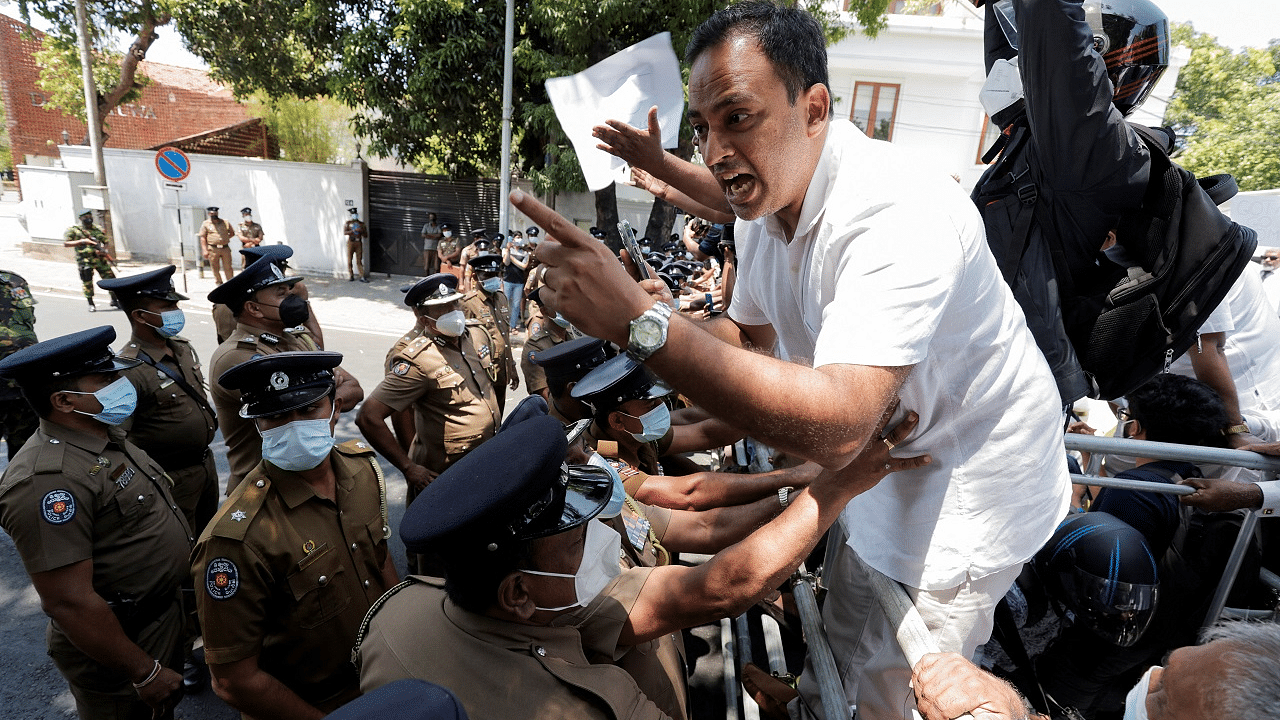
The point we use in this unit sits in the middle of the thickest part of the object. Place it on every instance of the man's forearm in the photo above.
(693, 181)
(348, 393)
(711, 531)
(374, 429)
(706, 490)
(91, 626)
(261, 696)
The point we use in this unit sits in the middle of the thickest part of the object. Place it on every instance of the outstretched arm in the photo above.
(643, 149)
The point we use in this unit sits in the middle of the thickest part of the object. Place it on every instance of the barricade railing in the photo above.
(912, 634)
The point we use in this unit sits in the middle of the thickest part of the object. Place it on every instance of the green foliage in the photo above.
(59, 61)
(312, 130)
(1226, 110)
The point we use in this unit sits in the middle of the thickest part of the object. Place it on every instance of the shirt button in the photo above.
(324, 579)
(542, 652)
(353, 546)
(261, 483)
(366, 583)
(141, 498)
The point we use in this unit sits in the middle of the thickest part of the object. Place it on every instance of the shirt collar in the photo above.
(82, 440)
(295, 491)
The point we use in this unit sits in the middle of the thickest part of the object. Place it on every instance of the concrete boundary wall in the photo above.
(299, 204)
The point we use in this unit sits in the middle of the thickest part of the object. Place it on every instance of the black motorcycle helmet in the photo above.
(1102, 571)
(1132, 36)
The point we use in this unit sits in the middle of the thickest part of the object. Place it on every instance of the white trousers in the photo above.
(872, 666)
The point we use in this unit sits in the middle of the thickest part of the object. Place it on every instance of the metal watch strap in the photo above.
(659, 312)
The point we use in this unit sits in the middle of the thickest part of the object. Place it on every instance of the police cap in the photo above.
(513, 487)
(261, 274)
(487, 262)
(353, 211)
(278, 383)
(617, 381)
(279, 254)
(531, 407)
(433, 290)
(80, 353)
(536, 295)
(212, 208)
(156, 284)
(246, 210)
(570, 360)
(532, 231)
(478, 233)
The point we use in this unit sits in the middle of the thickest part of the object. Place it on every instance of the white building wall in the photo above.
(303, 205)
(51, 199)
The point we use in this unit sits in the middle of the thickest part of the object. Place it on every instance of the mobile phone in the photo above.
(633, 248)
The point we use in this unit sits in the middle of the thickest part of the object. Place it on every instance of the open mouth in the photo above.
(737, 188)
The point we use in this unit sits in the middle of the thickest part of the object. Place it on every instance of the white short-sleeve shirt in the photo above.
(889, 266)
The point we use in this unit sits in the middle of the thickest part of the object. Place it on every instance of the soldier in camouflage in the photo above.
(17, 330)
(92, 254)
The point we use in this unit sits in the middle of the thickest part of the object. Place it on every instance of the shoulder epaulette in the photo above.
(235, 515)
(354, 448)
(415, 347)
(52, 451)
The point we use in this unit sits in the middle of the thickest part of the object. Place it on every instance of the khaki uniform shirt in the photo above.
(540, 338)
(399, 346)
(494, 314)
(216, 233)
(286, 575)
(224, 322)
(502, 670)
(244, 446)
(170, 425)
(353, 230)
(250, 234)
(449, 385)
(68, 497)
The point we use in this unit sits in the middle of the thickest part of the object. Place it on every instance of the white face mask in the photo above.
(448, 233)
(601, 553)
(1135, 703)
(1003, 87)
(452, 323)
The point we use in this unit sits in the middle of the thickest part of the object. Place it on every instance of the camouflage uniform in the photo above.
(89, 257)
(17, 330)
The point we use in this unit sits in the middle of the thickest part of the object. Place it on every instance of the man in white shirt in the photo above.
(1270, 278)
(870, 281)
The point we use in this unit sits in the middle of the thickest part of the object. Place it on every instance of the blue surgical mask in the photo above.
(119, 400)
(171, 322)
(619, 496)
(492, 285)
(299, 445)
(655, 424)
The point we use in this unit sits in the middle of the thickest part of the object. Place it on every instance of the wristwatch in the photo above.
(1238, 429)
(784, 496)
(648, 332)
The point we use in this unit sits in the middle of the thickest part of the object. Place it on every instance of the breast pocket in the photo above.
(318, 594)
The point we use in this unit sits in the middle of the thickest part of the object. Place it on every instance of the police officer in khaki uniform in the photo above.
(174, 422)
(264, 309)
(487, 304)
(298, 553)
(250, 234)
(224, 322)
(511, 523)
(563, 366)
(215, 244)
(355, 232)
(446, 376)
(96, 525)
(544, 336)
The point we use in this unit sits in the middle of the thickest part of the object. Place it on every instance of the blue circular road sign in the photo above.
(173, 164)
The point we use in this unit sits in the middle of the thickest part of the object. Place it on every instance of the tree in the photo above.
(309, 130)
(1226, 110)
(116, 76)
(6, 148)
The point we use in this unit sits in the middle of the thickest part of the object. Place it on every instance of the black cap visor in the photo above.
(587, 490)
(278, 403)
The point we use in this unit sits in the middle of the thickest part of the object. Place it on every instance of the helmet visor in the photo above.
(1118, 612)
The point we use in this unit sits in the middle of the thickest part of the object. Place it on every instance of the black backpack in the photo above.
(1177, 258)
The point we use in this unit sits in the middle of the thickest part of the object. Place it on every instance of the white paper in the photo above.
(622, 87)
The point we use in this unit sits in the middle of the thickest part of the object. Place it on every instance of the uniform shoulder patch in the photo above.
(419, 343)
(401, 368)
(58, 507)
(221, 578)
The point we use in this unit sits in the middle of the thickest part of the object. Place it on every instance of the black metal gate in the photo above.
(398, 207)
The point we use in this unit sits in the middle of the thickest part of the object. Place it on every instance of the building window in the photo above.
(913, 7)
(988, 138)
(875, 106)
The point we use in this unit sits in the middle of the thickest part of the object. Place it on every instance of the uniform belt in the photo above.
(218, 246)
(134, 615)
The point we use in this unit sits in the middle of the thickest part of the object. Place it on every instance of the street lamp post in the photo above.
(504, 210)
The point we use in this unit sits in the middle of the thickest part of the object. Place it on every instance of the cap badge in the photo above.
(308, 546)
(279, 381)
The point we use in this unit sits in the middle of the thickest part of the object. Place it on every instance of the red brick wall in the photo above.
(178, 102)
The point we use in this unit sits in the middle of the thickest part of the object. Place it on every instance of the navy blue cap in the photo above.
(480, 233)
(672, 283)
(532, 231)
(531, 407)
(261, 274)
(212, 208)
(617, 381)
(407, 699)
(80, 353)
(278, 254)
(486, 262)
(433, 290)
(353, 211)
(155, 284)
(536, 295)
(246, 210)
(513, 487)
(572, 359)
(278, 383)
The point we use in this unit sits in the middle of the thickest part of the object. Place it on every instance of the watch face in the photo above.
(647, 333)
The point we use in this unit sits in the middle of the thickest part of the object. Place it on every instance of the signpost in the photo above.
(174, 166)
